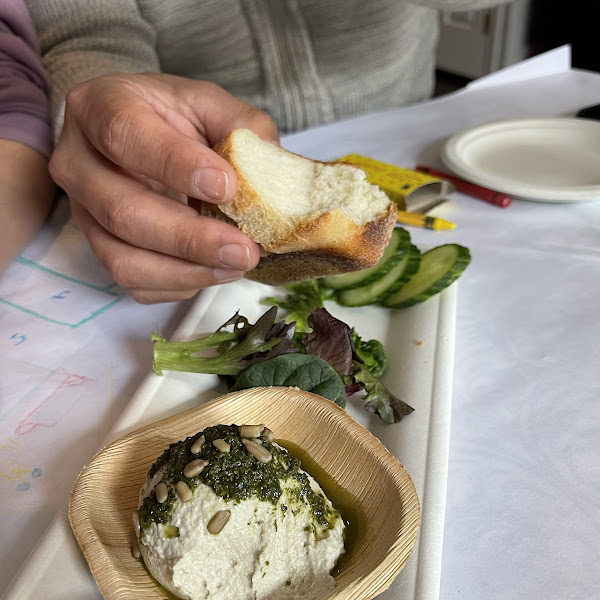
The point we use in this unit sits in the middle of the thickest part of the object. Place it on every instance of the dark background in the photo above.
(574, 22)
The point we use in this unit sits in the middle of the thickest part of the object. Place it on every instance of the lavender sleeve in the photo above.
(24, 105)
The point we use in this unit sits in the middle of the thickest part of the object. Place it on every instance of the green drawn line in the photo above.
(31, 263)
(99, 311)
(105, 290)
(50, 320)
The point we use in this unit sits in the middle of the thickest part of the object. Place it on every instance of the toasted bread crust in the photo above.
(321, 244)
(291, 267)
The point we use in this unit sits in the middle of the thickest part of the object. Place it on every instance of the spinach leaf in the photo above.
(305, 371)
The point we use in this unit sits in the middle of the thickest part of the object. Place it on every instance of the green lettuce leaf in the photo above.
(305, 371)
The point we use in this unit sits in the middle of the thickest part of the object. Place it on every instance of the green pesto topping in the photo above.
(235, 475)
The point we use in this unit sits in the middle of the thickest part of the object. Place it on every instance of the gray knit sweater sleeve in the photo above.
(458, 5)
(109, 36)
(305, 62)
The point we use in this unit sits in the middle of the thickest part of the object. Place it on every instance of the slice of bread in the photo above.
(311, 218)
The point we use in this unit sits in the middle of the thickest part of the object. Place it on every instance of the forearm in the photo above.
(26, 195)
(83, 39)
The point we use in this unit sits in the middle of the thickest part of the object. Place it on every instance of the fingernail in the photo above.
(225, 275)
(211, 184)
(236, 256)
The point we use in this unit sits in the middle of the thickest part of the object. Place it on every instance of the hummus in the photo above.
(228, 517)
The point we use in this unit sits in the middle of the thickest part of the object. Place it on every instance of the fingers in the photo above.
(136, 214)
(148, 275)
(127, 131)
(127, 144)
(154, 296)
(161, 126)
(219, 113)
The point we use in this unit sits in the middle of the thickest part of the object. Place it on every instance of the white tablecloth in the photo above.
(523, 504)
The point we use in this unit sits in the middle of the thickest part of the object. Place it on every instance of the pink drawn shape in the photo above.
(55, 405)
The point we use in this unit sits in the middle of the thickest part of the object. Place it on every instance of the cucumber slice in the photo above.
(399, 240)
(378, 289)
(438, 269)
(413, 260)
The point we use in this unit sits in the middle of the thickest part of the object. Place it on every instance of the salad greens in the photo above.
(372, 354)
(378, 398)
(324, 356)
(236, 350)
(305, 371)
(303, 298)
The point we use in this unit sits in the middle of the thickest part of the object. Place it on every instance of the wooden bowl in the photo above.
(369, 486)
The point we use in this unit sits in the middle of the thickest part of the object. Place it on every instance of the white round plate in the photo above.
(548, 160)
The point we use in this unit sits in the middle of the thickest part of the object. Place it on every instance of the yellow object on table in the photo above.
(411, 190)
(419, 220)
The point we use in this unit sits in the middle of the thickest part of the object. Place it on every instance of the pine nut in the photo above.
(198, 445)
(260, 453)
(183, 491)
(268, 434)
(194, 468)
(221, 445)
(218, 521)
(162, 492)
(251, 431)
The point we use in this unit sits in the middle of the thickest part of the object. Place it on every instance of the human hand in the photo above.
(128, 143)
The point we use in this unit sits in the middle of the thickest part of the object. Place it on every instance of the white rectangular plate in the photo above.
(420, 347)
